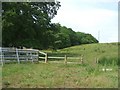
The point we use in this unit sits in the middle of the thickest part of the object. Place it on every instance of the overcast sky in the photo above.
(90, 16)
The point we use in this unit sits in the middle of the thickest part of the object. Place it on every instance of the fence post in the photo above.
(37, 56)
(1, 60)
(96, 60)
(31, 55)
(27, 56)
(1, 57)
(32, 60)
(65, 59)
(46, 57)
(17, 56)
(81, 59)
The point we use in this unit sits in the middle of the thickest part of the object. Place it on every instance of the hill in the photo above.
(104, 52)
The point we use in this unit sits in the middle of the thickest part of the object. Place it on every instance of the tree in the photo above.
(86, 38)
(66, 37)
(27, 22)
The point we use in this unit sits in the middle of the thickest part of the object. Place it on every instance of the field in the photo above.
(60, 75)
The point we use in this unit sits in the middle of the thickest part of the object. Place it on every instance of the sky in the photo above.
(97, 17)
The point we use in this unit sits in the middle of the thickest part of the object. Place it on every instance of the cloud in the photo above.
(113, 38)
(91, 1)
(99, 1)
(87, 17)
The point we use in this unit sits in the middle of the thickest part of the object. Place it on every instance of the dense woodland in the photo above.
(28, 24)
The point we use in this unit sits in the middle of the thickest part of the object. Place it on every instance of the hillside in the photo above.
(107, 51)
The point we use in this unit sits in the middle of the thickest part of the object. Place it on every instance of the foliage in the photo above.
(86, 38)
(28, 24)
(28, 21)
(66, 37)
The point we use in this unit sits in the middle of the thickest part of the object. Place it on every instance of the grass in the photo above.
(53, 75)
(89, 52)
(57, 75)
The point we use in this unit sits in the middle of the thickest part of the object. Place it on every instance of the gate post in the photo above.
(46, 57)
(17, 56)
(81, 59)
(65, 59)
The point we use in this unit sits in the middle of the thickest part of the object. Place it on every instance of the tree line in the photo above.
(28, 24)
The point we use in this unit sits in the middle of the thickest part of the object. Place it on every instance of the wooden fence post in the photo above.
(81, 59)
(1, 58)
(37, 56)
(1, 61)
(17, 56)
(27, 56)
(32, 60)
(46, 57)
(65, 59)
(31, 56)
(96, 60)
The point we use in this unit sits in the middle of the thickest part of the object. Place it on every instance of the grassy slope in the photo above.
(60, 75)
(90, 51)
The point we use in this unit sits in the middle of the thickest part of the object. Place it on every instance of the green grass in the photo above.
(53, 75)
(89, 52)
(57, 75)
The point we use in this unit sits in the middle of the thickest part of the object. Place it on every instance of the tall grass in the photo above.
(109, 61)
(57, 75)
